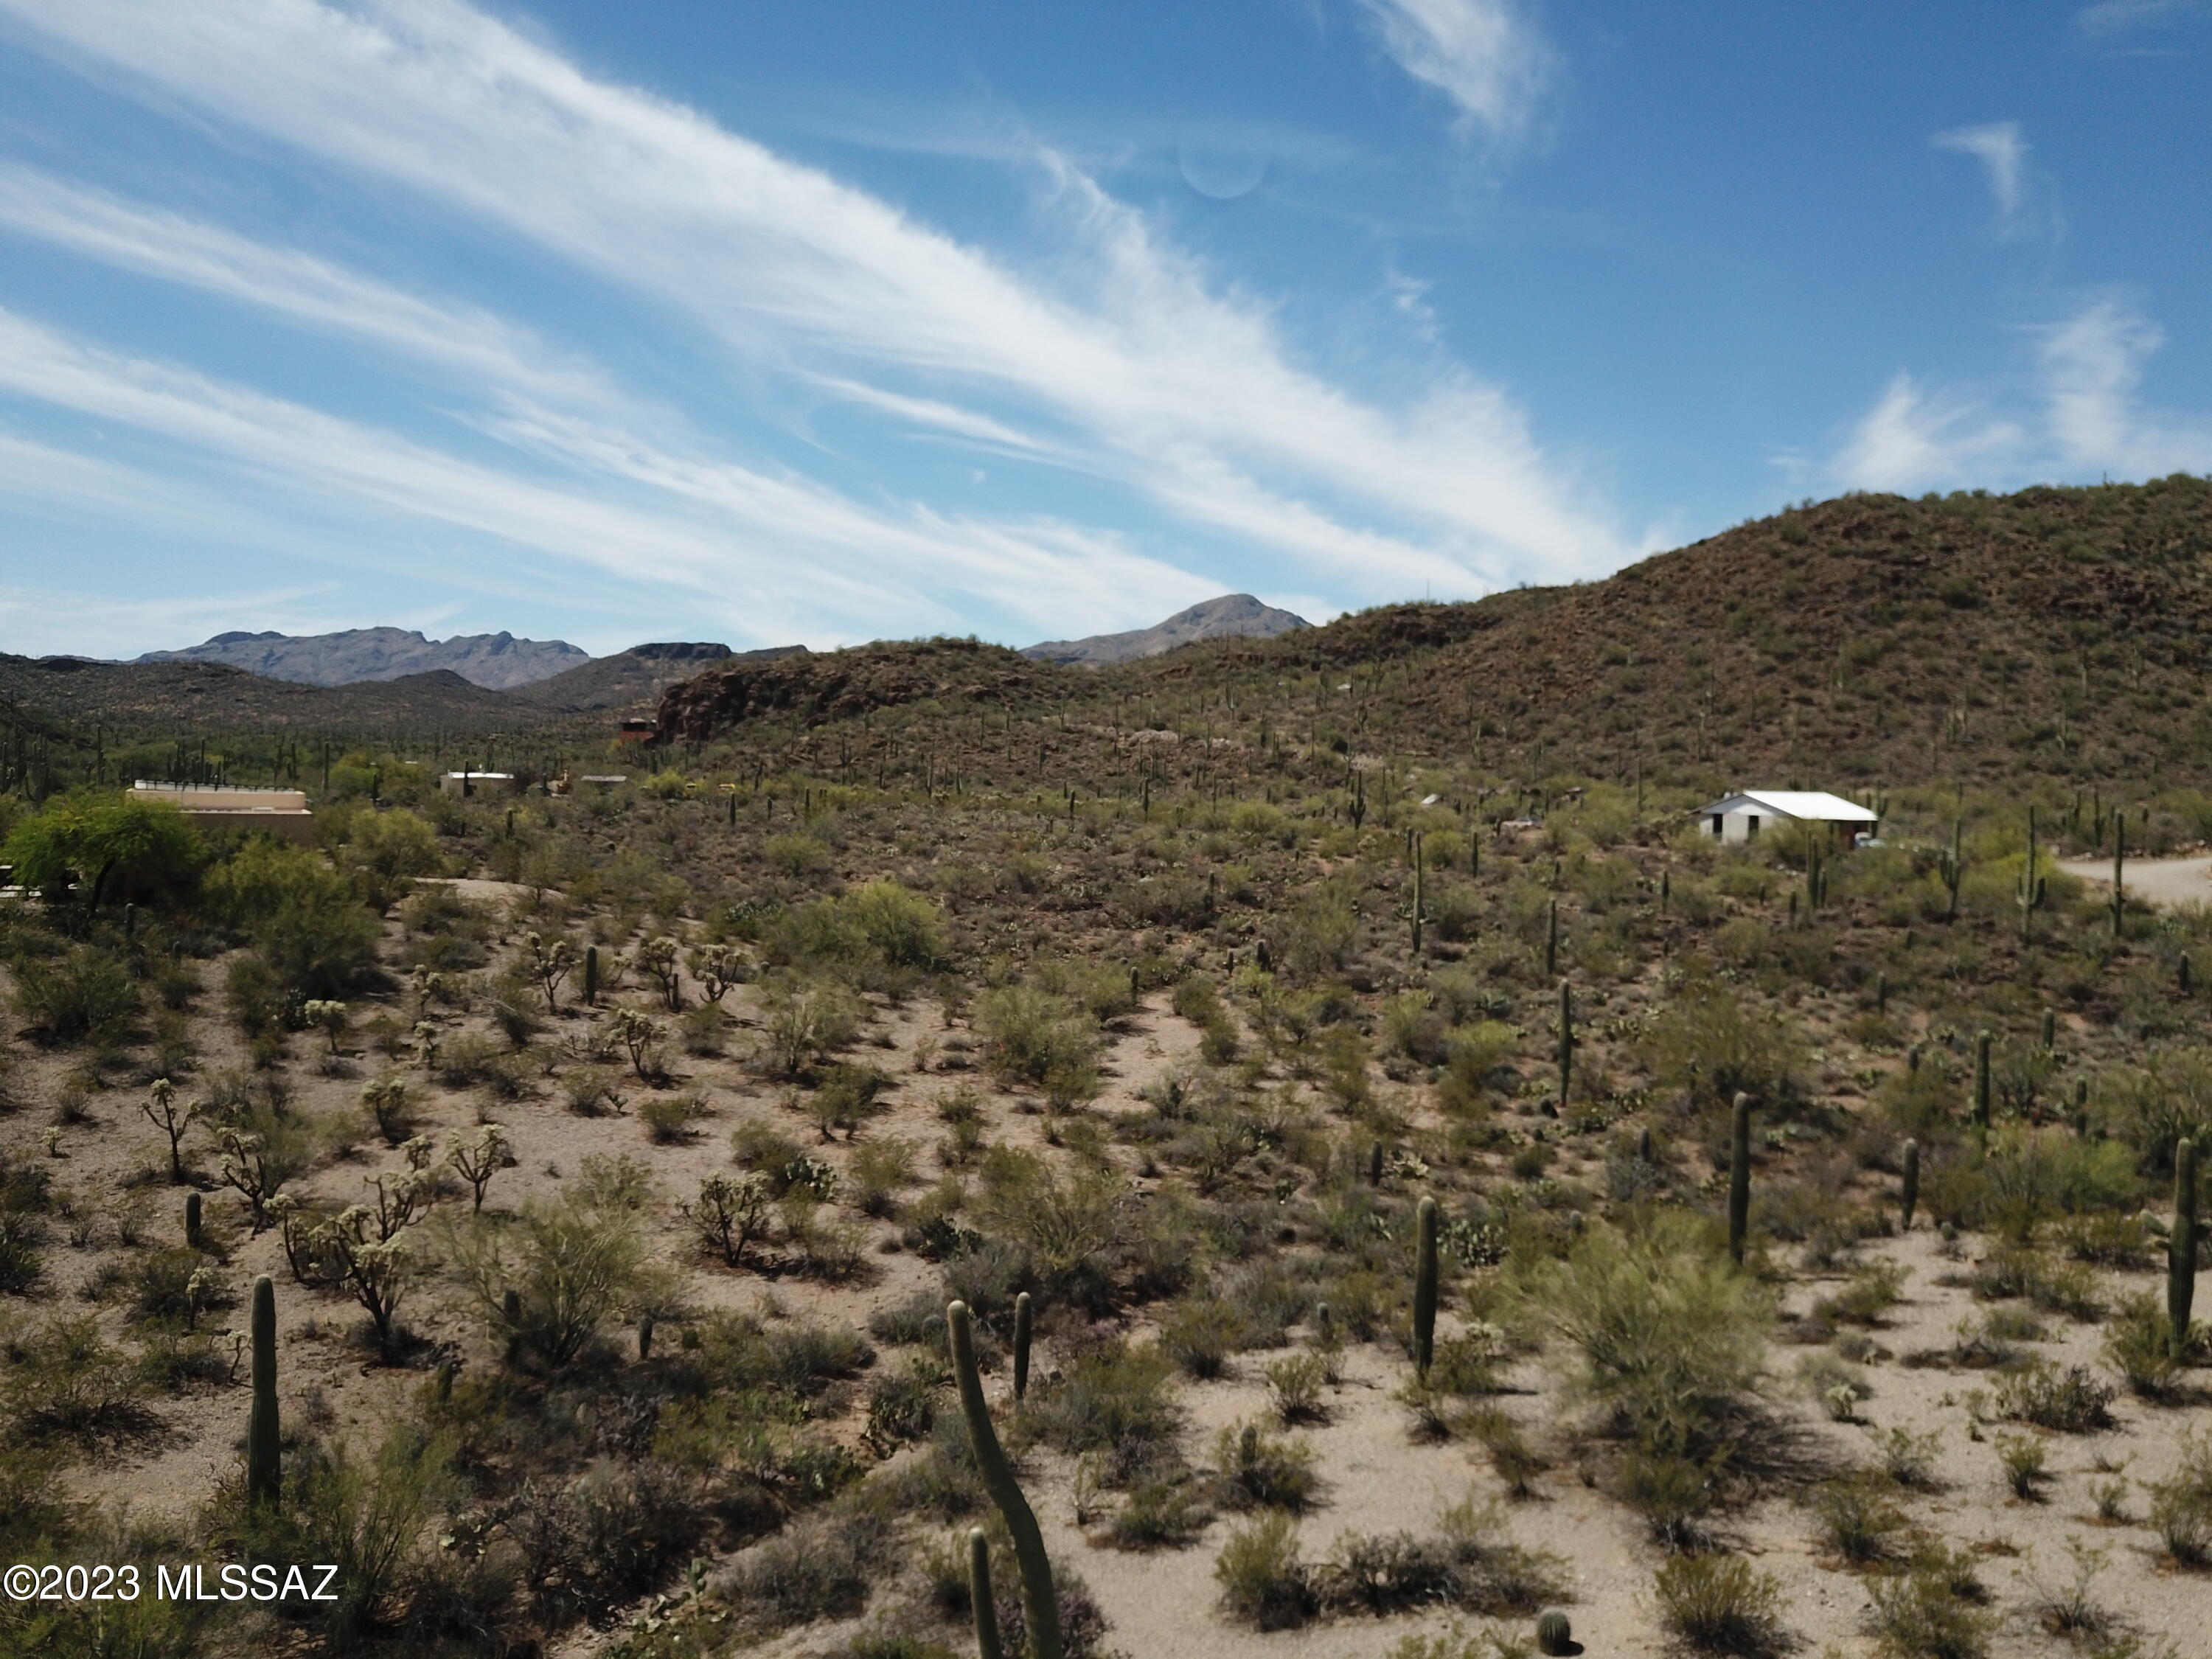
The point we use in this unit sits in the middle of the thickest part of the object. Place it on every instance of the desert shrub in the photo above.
(902, 1403)
(1856, 1519)
(668, 1118)
(1201, 1334)
(1294, 1387)
(1930, 1609)
(1315, 936)
(2181, 1504)
(1118, 1400)
(64, 1382)
(1720, 1604)
(879, 1170)
(1164, 1511)
(1263, 1583)
(1033, 1036)
(1707, 1043)
(879, 937)
(84, 993)
(1672, 1337)
(2161, 1102)
(2138, 1345)
(796, 853)
(304, 919)
(2071, 1401)
(820, 1569)
(1254, 1469)
(1064, 1218)
(806, 1020)
(574, 1263)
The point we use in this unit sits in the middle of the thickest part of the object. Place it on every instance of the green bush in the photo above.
(119, 848)
(574, 1263)
(1720, 1604)
(85, 994)
(1671, 1335)
(1930, 1609)
(1117, 1400)
(1254, 1469)
(879, 937)
(303, 917)
(1262, 1582)
(1705, 1042)
(1033, 1036)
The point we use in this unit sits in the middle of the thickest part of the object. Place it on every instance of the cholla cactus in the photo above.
(328, 1017)
(641, 1037)
(658, 958)
(551, 962)
(163, 1112)
(731, 1210)
(245, 1166)
(476, 1160)
(386, 1098)
(717, 968)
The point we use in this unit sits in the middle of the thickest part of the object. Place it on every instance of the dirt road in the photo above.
(2162, 881)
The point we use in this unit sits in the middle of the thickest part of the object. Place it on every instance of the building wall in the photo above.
(1744, 824)
(298, 826)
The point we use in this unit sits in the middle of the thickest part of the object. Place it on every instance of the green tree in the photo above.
(302, 916)
(124, 848)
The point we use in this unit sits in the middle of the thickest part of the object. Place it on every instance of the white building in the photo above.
(1738, 817)
(477, 783)
(228, 806)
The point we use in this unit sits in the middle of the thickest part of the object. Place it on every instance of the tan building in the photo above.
(281, 812)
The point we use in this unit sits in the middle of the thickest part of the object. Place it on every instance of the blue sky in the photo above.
(765, 320)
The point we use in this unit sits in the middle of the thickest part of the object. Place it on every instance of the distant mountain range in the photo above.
(499, 662)
(1233, 616)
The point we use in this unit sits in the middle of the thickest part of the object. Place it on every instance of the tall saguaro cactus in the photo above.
(1567, 1040)
(1952, 868)
(264, 1475)
(1911, 1197)
(1039, 1601)
(2119, 871)
(1425, 1285)
(1738, 1197)
(1024, 1324)
(2029, 894)
(979, 1595)
(2181, 1246)
(1419, 860)
(1551, 938)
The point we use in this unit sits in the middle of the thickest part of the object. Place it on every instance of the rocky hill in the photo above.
(1233, 616)
(638, 675)
(498, 661)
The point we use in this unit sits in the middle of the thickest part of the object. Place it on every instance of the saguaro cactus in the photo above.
(1419, 860)
(979, 1595)
(2029, 894)
(1425, 1285)
(1981, 1080)
(2181, 1246)
(1952, 868)
(1739, 1200)
(192, 1219)
(1551, 938)
(1567, 1040)
(264, 1476)
(2119, 871)
(591, 974)
(1039, 1601)
(1912, 1194)
(1022, 1324)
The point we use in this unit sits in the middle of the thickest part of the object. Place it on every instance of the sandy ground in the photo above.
(1379, 1477)
(2162, 881)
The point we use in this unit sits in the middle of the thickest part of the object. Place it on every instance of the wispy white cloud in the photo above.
(1908, 440)
(790, 556)
(1485, 55)
(2002, 153)
(2081, 413)
(2091, 368)
(1122, 352)
(2111, 17)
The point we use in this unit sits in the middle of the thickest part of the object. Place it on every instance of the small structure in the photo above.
(637, 731)
(1735, 818)
(596, 782)
(470, 783)
(228, 806)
